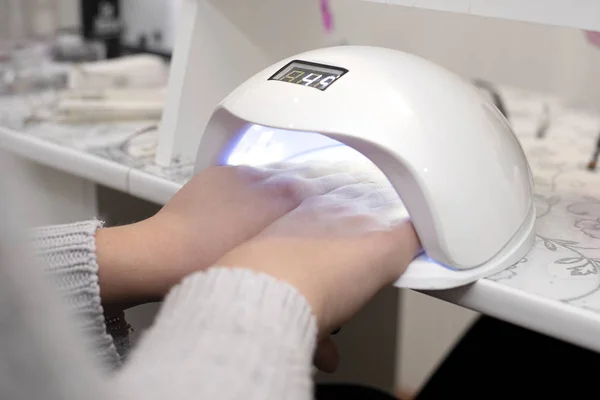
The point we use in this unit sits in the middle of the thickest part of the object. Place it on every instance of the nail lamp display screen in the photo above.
(318, 76)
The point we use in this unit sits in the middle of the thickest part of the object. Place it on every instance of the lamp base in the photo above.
(425, 274)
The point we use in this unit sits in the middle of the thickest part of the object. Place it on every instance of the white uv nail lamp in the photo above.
(447, 151)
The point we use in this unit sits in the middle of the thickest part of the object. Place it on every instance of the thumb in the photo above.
(402, 245)
(327, 357)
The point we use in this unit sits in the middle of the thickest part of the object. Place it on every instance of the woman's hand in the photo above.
(216, 211)
(337, 250)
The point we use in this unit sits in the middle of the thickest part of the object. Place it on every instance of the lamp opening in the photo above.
(261, 146)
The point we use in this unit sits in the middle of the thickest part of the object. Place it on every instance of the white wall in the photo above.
(529, 55)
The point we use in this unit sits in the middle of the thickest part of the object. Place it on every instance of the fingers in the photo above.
(393, 213)
(328, 183)
(369, 195)
(327, 357)
(320, 178)
(303, 188)
(381, 208)
(314, 169)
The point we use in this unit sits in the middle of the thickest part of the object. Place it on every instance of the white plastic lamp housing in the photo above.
(447, 151)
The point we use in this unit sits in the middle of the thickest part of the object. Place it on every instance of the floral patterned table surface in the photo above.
(564, 264)
(131, 144)
(559, 141)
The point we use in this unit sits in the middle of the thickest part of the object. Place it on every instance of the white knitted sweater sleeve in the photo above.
(68, 257)
(222, 334)
(227, 334)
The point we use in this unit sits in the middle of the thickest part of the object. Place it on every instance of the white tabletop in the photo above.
(554, 290)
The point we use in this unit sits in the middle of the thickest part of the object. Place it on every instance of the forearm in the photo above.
(226, 334)
(124, 275)
(136, 264)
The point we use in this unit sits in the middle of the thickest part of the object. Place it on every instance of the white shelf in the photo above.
(580, 14)
(63, 158)
(550, 317)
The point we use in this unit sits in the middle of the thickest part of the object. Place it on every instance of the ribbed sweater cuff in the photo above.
(68, 253)
(252, 298)
(247, 331)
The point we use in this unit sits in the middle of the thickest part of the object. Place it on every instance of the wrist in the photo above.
(131, 270)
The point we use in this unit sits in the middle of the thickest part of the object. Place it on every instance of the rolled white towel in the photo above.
(135, 71)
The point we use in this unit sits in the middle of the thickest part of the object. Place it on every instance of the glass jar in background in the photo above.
(30, 63)
(12, 36)
(32, 27)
